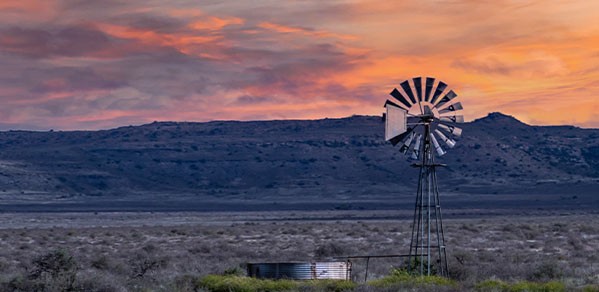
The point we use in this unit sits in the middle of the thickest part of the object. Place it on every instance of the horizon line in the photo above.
(35, 128)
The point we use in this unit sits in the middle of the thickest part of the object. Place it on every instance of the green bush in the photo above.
(492, 286)
(231, 283)
(523, 286)
(590, 288)
(330, 285)
(403, 278)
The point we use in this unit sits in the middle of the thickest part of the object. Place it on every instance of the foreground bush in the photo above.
(523, 286)
(401, 279)
(591, 288)
(233, 283)
(229, 283)
(330, 285)
(54, 271)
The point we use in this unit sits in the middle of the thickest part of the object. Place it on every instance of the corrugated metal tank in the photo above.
(301, 271)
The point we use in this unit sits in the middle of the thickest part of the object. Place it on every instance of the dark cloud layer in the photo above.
(95, 64)
(67, 41)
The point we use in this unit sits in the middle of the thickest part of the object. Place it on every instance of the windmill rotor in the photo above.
(422, 120)
(419, 102)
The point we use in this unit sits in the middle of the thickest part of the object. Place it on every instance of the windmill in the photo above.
(419, 120)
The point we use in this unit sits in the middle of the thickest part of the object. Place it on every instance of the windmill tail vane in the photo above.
(422, 119)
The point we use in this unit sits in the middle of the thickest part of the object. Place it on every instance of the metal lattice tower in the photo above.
(427, 226)
(417, 124)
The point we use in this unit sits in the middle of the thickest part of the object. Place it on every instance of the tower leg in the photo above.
(444, 269)
(416, 248)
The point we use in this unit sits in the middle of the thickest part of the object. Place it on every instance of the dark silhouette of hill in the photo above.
(341, 162)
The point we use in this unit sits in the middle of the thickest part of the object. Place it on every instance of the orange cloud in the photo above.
(182, 42)
(530, 61)
(215, 23)
(537, 61)
(284, 29)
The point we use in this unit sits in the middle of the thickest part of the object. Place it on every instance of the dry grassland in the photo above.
(118, 257)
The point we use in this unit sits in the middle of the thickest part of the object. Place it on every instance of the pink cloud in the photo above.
(89, 64)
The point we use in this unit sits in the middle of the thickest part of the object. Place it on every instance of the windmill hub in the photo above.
(419, 119)
(427, 118)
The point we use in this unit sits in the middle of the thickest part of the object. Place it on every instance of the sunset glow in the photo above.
(102, 64)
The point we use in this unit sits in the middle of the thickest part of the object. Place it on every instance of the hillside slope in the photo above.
(270, 161)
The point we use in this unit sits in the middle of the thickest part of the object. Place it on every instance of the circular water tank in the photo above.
(301, 271)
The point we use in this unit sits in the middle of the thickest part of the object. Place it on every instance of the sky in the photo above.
(79, 64)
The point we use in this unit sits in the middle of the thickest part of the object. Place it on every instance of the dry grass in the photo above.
(162, 258)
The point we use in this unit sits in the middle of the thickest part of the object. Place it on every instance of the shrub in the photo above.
(492, 286)
(101, 263)
(186, 283)
(143, 263)
(522, 286)
(590, 288)
(232, 283)
(96, 283)
(525, 286)
(54, 271)
(546, 271)
(235, 271)
(53, 264)
(328, 250)
(218, 283)
(330, 285)
(401, 278)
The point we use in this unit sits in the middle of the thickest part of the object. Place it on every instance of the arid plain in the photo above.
(173, 251)
(160, 206)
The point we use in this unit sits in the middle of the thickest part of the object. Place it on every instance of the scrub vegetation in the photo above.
(556, 253)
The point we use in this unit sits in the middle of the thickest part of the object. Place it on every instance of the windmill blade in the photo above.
(440, 88)
(406, 87)
(416, 149)
(429, 87)
(447, 98)
(418, 87)
(388, 102)
(395, 93)
(438, 148)
(395, 121)
(449, 142)
(451, 129)
(451, 108)
(452, 119)
(406, 145)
